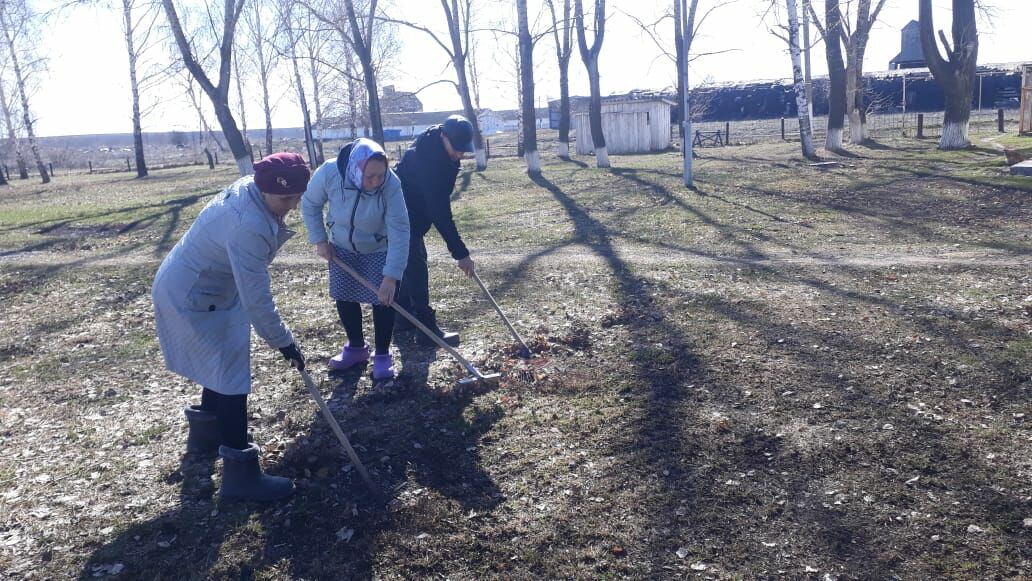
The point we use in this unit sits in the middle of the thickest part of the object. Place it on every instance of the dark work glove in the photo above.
(292, 354)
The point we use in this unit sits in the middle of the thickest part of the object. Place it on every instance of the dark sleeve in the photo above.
(438, 207)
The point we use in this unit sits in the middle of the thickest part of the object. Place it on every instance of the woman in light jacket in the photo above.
(208, 293)
(369, 231)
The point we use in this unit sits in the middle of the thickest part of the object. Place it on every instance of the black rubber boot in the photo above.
(203, 438)
(242, 477)
(429, 318)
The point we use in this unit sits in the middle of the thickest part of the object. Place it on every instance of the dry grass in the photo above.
(793, 371)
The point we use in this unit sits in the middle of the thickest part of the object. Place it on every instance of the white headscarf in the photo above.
(361, 151)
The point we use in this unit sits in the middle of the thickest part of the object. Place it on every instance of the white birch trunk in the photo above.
(802, 106)
(687, 142)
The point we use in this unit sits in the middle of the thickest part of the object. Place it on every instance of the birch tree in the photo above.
(792, 37)
(458, 15)
(260, 43)
(362, 38)
(291, 39)
(15, 21)
(139, 26)
(955, 72)
(799, 83)
(361, 33)
(14, 144)
(526, 45)
(590, 57)
(684, 33)
(562, 33)
(217, 93)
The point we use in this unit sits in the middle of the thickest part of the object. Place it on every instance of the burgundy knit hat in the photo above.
(282, 173)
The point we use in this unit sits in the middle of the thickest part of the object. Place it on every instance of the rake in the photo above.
(475, 375)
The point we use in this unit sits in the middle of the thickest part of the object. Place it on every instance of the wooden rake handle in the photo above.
(498, 309)
(314, 391)
(412, 319)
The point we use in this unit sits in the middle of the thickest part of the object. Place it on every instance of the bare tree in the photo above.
(802, 106)
(315, 43)
(684, 32)
(956, 72)
(362, 41)
(834, 36)
(590, 57)
(15, 19)
(362, 34)
(259, 45)
(792, 38)
(856, 43)
(526, 44)
(562, 31)
(459, 16)
(291, 34)
(139, 19)
(13, 142)
(836, 75)
(217, 93)
(687, 22)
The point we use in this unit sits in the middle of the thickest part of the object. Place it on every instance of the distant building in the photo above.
(910, 56)
(392, 101)
(405, 126)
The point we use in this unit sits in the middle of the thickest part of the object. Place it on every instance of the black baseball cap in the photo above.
(459, 132)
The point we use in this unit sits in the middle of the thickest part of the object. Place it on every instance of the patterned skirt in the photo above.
(343, 287)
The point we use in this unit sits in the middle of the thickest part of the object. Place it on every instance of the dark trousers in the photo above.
(230, 413)
(415, 285)
(383, 325)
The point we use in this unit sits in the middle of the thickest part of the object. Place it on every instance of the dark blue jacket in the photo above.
(427, 179)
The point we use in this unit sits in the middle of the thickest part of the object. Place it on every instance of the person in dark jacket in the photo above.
(428, 171)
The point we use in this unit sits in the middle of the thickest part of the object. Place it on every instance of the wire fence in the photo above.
(921, 125)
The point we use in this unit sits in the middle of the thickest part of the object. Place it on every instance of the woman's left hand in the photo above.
(387, 289)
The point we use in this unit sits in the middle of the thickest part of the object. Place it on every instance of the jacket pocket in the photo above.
(212, 297)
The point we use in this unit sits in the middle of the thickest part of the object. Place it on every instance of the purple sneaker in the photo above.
(349, 357)
(383, 367)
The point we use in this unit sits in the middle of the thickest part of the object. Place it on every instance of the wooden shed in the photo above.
(630, 126)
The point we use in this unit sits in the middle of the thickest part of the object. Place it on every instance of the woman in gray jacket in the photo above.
(369, 231)
(208, 293)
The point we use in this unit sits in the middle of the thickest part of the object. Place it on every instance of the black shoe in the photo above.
(403, 325)
(429, 318)
(448, 337)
